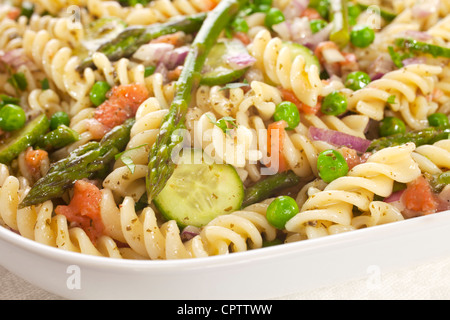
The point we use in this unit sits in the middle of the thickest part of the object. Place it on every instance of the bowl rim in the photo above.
(304, 247)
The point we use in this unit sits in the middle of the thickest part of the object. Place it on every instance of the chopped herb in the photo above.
(18, 81)
(126, 159)
(27, 9)
(149, 71)
(235, 85)
(391, 99)
(224, 123)
(44, 84)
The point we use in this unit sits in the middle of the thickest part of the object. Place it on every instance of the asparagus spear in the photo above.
(420, 137)
(422, 47)
(130, 39)
(87, 161)
(161, 166)
(269, 186)
(339, 16)
(58, 138)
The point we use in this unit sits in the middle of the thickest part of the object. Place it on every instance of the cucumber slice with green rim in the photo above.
(216, 70)
(199, 191)
(21, 139)
(298, 49)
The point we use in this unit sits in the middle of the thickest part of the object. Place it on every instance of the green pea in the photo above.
(12, 117)
(262, 5)
(59, 118)
(322, 7)
(331, 165)
(239, 25)
(317, 24)
(273, 16)
(438, 119)
(357, 80)
(353, 12)
(288, 112)
(281, 210)
(390, 126)
(262, 2)
(98, 92)
(334, 104)
(444, 178)
(362, 36)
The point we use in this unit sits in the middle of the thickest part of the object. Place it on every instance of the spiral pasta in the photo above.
(59, 65)
(332, 208)
(123, 181)
(276, 62)
(38, 224)
(404, 90)
(156, 11)
(152, 240)
(433, 158)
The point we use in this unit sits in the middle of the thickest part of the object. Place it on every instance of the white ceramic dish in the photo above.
(259, 274)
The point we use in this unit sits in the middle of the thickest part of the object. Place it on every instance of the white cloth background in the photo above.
(427, 281)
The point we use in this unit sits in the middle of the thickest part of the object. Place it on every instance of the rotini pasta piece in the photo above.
(442, 95)
(38, 224)
(441, 31)
(56, 6)
(122, 180)
(11, 32)
(162, 91)
(150, 239)
(354, 124)
(156, 11)
(59, 64)
(236, 147)
(65, 29)
(122, 72)
(433, 158)
(276, 62)
(215, 99)
(46, 101)
(331, 209)
(379, 213)
(293, 149)
(404, 90)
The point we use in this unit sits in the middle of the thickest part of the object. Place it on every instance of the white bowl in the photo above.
(259, 274)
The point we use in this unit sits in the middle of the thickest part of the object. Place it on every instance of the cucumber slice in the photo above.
(200, 190)
(23, 138)
(216, 70)
(298, 49)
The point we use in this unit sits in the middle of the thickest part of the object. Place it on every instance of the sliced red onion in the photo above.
(418, 35)
(16, 58)
(318, 37)
(189, 232)
(382, 65)
(424, 9)
(240, 61)
(339, 139)
(152, 53)
(300, 29)
(395, 196)
(415, 60)
(175, 57)
(295, 8)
